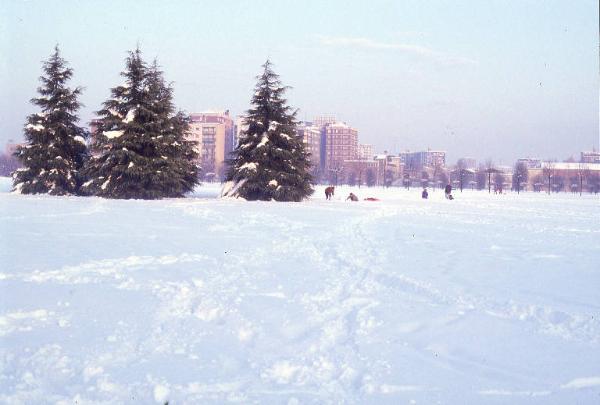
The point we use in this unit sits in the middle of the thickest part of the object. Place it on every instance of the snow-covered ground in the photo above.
(484, 299)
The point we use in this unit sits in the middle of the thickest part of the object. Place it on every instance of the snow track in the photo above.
(479, 300)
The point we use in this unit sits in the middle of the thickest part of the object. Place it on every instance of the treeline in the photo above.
(140, 140)
(140, 145)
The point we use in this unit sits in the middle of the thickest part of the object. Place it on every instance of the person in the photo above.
(352, 197)
(329, 192)
(448, 192)
(424, 194)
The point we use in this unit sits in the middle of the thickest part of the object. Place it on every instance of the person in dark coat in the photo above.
(448, 191)
(424, 194)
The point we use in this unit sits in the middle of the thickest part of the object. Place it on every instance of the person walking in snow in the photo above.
(329, 192)
(424, 194)
(448, 192)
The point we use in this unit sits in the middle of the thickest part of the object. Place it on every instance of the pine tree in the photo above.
(55, 148)
(141, 140)
(270, 161)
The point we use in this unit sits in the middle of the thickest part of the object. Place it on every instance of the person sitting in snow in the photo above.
(352, 197)
(424, 194)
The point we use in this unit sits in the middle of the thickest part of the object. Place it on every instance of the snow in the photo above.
(114, 112)
(484, 299)
(113, 134)
(129, 117)
(161, 393)
(230, 189)
(35, 127)
(263, 141)
(273, 183)
(249, 166)
(80, 139)
(131, 164)
(583, 383)
(273, 125)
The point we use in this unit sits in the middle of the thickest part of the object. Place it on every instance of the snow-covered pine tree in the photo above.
(141, 141)
(270, 161)
(55, 148)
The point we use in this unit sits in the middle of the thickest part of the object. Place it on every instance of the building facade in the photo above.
(360, 172)
(365, 151)
(564, 176)
(339, 142)
(214, 133)
(311, 136)
(423, 159)
(530, 163)
(590, 157)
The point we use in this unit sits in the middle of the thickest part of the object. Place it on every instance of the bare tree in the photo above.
(498, 181)
(548, 171)
(489, 168)
(352, 179)
(593, 182)
(582, 170)
(370, 178)
(520, 175)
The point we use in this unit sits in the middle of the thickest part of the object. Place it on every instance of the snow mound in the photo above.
(113, 134)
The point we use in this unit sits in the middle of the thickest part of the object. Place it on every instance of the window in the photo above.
(208, 130)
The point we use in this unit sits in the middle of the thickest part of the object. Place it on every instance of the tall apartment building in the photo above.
(214, 132)
(339, 142)
(311, 136)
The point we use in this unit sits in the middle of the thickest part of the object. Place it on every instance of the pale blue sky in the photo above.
(487, 79)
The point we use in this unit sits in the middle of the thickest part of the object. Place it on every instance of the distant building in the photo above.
(311, 136)
(339, 142)
(469, 163)
(214, 132)
(238, 129)
(530, 163)
(590, 157)
(323, 120)
(8, 161)
(360, 171)
(365, 151)
(390, 169)
(423, 159)
(564, 176)
(404, 156)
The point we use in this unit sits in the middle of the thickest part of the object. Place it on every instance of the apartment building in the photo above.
(214, 133)
(339, 142)
(311, 136)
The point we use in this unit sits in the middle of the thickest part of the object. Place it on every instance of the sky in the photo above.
(485, 79)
